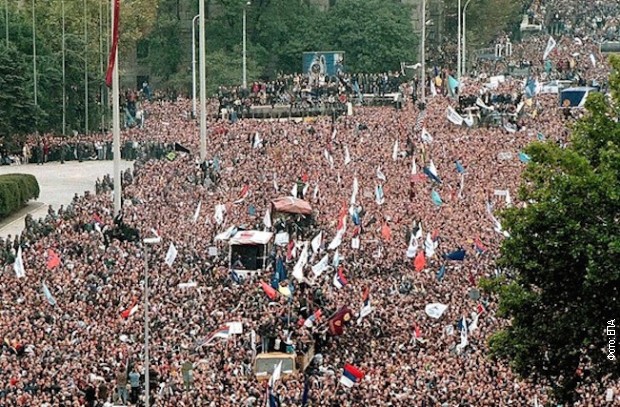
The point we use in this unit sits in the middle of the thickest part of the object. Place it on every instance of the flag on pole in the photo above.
(420, 261)
(426, 136)
(53, 260)
(321, 266)
(197, 213)
(340, 280)
(298, 270)
(441, 273)
(267, 218)
(315, 318)
(347, 156)
(380, 174)
(269, 290)
(459, 167)
(18, 266)
(316, 242)
(171, 255)
(275, 376)
(48, 295)
(436, 198)
(464, 338)
(550, 46)
(114, 47)
(351, 375)
(131, 309)
(458, 254)
(395, 151)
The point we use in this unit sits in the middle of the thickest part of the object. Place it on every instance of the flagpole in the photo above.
(64, 75)
(203, 85)
(458, 63)
(34, 53)
(85, 68)
(116, 125)
(423, 56)
(6, 12)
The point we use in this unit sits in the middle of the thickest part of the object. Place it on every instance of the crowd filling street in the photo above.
(405, 205)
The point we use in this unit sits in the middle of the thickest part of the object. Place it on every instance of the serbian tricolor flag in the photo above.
(269, 290)
(223, 332)
(113, 49)
(244, 193)
(131, 310)
(420, 261)
(313, 319)
(351, 375)
(340, 280)
(480, 248)
(53, 260)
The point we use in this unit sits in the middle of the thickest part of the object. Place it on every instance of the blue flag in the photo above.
(441, 273)
(235, 277)
(540, 136)
(452, 85)
(281, 269)
(455, 255)
(436, 198)
(306, 394)
(431, 175)
(524, 157)
(274, 400)
(459, 167)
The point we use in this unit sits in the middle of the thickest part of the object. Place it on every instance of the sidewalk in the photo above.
(58, 184)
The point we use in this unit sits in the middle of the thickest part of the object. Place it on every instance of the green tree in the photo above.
(17, 112)
(376, 35)
(563, 253)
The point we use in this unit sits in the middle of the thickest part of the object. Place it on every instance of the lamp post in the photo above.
(194, 65)
(34, 53)
(203, 84)
(245, 65)
(423, 56)
(64, 75)
(85, 68)
(458, 57)
(151, 241)
(6, 25)
(464, 63)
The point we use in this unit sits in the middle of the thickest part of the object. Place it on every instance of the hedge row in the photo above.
(15, 191)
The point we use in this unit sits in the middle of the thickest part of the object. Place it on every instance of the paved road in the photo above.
(58, 184)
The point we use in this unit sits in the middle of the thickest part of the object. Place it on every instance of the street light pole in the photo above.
(85, 68)
(147, 242)
(458, 63)
(423, 56)
(194, 65)
(64, 90)
(203, 84)
(6, 27)
(464, 63)
(245, 65)
(34, 52)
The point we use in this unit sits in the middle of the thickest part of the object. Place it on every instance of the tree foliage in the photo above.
(563, 252)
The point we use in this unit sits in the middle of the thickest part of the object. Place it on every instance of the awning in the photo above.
(251, 237)
(289, 204)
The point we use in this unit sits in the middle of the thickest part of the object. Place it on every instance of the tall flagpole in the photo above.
(85, 68)
(6, 12)
(458, 63)
(64, 77)
(203, 84)
(423, 67)
(34, 52)
(101, 87)
(116, 125)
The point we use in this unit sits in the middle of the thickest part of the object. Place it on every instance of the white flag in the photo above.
(347, 156)
(294, 190)
(171, 255)
(429, 246)
(414, 167)
(277, 372)
(298, 270)
(426, 136)
(257, 140)
(464, 340)
(435, 310)
(593, 60)
(18, 266)
(197, 213)
(380, 174)
(220, 210)
(267, 218)
(453, 116)
(355, 191)
(433, 88)
(433, 169)
(48, 295)
(275, 183)
(412, 250)
(395, 151)
(550, 46)
(321, 266)
(315, 194)
(316, 242)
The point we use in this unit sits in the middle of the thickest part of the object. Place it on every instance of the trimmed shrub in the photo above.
(15, 191)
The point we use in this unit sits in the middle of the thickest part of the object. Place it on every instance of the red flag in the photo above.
(336, 323)
(269, 290)
(53, 260)
(386, 232)
(112, 59)
(420, 261)
(418, 333)
(131, 310)
(289, 250)
(480, 309)
(472, 280)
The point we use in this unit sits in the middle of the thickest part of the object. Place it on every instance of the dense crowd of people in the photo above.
(397, 195)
